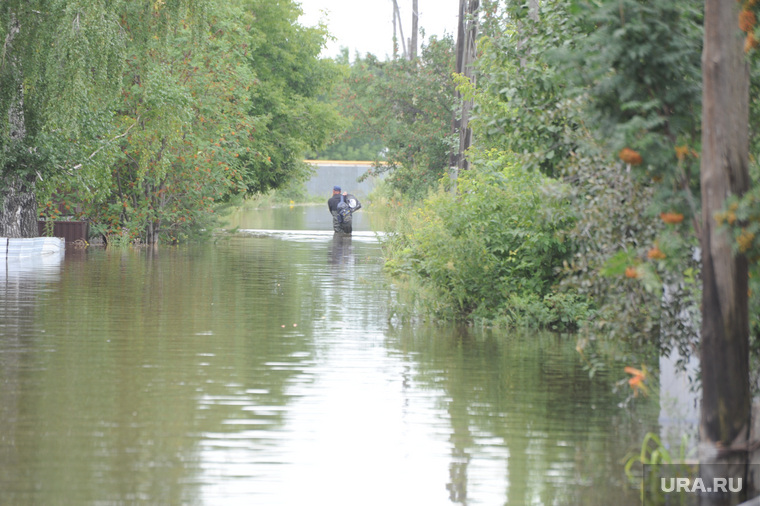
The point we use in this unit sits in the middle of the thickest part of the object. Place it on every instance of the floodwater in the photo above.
(263, 369)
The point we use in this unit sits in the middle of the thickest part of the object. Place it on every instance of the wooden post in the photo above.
(725, 416)
(397, 17)
(467, 32)
(415, 29)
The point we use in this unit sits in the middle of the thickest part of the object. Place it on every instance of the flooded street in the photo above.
(264, 369)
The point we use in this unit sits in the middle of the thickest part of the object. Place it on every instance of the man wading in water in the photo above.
(342, 206)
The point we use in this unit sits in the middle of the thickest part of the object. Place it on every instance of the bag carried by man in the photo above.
(347, 205)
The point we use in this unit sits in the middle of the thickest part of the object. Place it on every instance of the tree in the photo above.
(217, 100)
(290, 96)
(186, 95)
(407, 106)
(17, 201)
(59, 72)
(725, 318)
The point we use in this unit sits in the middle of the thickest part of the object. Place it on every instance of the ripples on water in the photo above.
(263, 369)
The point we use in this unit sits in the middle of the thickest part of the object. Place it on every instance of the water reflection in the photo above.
(301, 217)
(22, 280)
(264, 370)
(525, 413)
(341, 252)
(38, 268)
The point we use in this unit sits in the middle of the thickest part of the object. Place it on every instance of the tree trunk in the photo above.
(18, 213)
(533, 6)
(400, 28)
(395, 37)
(415, 29)
(533, 14)
(465, 56)
(18, 205)
(725, 417)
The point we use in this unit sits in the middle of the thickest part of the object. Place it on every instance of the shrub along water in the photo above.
(491, 251)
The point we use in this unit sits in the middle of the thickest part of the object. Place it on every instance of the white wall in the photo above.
(344, 174)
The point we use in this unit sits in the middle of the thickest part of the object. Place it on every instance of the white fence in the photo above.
(11, 247)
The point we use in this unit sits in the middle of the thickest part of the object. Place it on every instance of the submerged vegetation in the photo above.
(491, 250)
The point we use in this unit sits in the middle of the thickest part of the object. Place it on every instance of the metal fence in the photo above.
(72, 231)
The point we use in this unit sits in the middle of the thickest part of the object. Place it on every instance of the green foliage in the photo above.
(351, 146)
(642, 69)
(611, 210)
(638, 270)
(554, 311)
(643, 79)
(521, 100)
(172, 77)
(747, 211)
(211, 100)
(496, 238)
(290, 95)
(654, 454)
(741, 219)
(402, 111)
(642, 92)
(62, 61)
(638, 88)
(352, 143)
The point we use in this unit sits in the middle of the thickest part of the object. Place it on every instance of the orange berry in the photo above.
(630, 156)
(747, 20)
(750, 42)
(671, 218)
(745, 240)
(682, 152)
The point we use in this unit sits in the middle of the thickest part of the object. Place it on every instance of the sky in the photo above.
(366, 26)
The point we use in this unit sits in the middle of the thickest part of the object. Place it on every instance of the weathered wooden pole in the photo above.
(415, 29)
(397, 17)
(725, 415)
(467, 33)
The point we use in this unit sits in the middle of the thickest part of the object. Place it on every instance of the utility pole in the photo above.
(725, 436)
(395, 38)
(415, 29)
(397, 18)
(465, 56)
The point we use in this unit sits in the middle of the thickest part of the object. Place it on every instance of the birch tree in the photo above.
(60, 66)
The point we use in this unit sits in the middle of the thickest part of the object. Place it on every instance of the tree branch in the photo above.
(79, 165)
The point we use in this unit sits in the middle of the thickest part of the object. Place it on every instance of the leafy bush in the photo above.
(555, 311)
(495, 239)
(637, 268)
